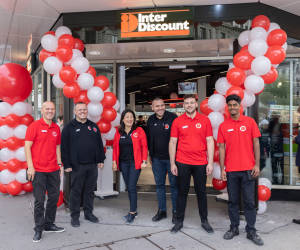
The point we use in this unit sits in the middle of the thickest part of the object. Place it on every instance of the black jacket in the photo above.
(70, 144)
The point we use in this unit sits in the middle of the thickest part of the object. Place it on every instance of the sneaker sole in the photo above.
(60, 231)
(36, 241)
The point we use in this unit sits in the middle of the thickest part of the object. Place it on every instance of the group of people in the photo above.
(178, 146)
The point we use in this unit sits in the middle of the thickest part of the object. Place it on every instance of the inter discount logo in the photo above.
(153, 23)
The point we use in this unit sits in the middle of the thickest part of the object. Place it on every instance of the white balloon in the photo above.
(29, 109)
(95, 109)
(5, 109)
(19, 108)
(273, 26)
(49, 42)
(80, 64)
(244, 38)
(222, 85)
(215, 133)
(216, 173)
(284, 46)
(20, 131)
(110, 134)
(85, 81)
(262, 207)
(62, 30)
(117, 105)
(6, 176)
(21, 176)
(254, 84)
(116, 121)
(275, 65)
(20, 154)
(265, 182)
(95, 94)
(258, 33)
(6, 154)
(76, 53)
(261, 65)
(57, 82)
(249, 99)
(216, 118)
(94, 119)
(52, 65)
(6, 132)
(216, 102)
(258, 47)
(230, 65)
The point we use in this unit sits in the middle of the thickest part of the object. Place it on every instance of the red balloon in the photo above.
(44, 54)
(64, 53)
(14, 187)
(12, 120)
(276, 54)
(109, 99)
(244, 48)
(109, 114)
(50, 32)
(14, 143)
(82, 97)
(2, 165)
(2, 143)
(219, 184)
(92, 71)
(27, 187)
(16, 83)
(104, 150)
(24, 165)
(277, 37)
(109, 142)
(234, 90)
(67, 74)
(204, 109)
(66, 40)
(172, 105)
(78, 44)
(104, 126)
(71, 90)
(26, 119)
(236, 76)
(2, 121)
(271, 76)
(3, 189)
(243, 59)
(261, 21)
(60, 199)
(14, 165)
(264, 193)
(102, 82)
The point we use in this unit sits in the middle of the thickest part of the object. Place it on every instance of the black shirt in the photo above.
(126, 147)
(158, 135)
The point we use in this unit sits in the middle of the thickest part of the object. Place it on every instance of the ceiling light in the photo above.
(133, 92)
(177, 66)
(169, 50)
(159, 86)
(188, 70)
(95, 52)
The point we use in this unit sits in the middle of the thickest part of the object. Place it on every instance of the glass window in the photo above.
(37, 93)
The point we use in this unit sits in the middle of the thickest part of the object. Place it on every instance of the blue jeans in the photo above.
(236, 181)
(160, 169)
(130, 176)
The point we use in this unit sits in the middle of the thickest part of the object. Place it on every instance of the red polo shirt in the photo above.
(45, 138)
(191, 135)
(237, 135)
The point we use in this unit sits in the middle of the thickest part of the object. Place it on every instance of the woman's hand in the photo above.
(114, 166)
(144, 165)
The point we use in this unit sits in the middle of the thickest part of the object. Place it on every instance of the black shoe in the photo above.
(75, 222)
(176, 227)
(159, 215)
(297, 221)
(205, 225)
(37, 236)
(255, 238)
(174, 217)
(231, 233)
(54, 228)
(91, 218)
(129, 218)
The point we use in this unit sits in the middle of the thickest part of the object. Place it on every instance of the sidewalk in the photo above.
(16, 223)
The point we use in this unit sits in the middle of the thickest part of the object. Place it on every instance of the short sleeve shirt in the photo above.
(191, 135)
(237, 135)
(45, 139)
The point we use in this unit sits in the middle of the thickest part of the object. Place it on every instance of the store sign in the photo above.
(156, 23)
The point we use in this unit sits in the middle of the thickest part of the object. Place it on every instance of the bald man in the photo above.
(42, 149)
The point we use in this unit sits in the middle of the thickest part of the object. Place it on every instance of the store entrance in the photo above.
(169, 81)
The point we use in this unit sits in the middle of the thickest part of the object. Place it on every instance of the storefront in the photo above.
(134, 48)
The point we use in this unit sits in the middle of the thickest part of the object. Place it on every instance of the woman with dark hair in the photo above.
(129, 156)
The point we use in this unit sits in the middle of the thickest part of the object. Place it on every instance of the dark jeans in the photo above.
(130, 176)
(43, 182)
(83, 180)
(237, 181)
(160, 169)
(184, 178)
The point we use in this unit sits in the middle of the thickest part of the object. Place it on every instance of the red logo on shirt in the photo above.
(167, 126)
(243, 128)
(54, 133)
(135, 135)
(198, 125)
(95, 130)
(89, 128)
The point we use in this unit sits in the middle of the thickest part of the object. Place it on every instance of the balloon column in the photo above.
(15, 117)
(62, 57)
(263, 48)
(264, 194)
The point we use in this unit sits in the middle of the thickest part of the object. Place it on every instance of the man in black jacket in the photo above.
(158, 134)
(82, 151)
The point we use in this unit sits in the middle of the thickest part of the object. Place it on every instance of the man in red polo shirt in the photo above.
(238, 139)
(42, 149)
(192, 134)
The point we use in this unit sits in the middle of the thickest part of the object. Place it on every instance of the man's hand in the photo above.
(174, 169)
(255, 171)
(143, 165)
(30, 173)
(209, 169)
(67, 170)
(223, 175)
(100, 165)
(114, 166)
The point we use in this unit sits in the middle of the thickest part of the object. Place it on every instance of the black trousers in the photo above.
(43, 182)
(184, 178)
(237, 181)
(83, 179)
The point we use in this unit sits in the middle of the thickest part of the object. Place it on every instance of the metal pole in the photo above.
(291, 120)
